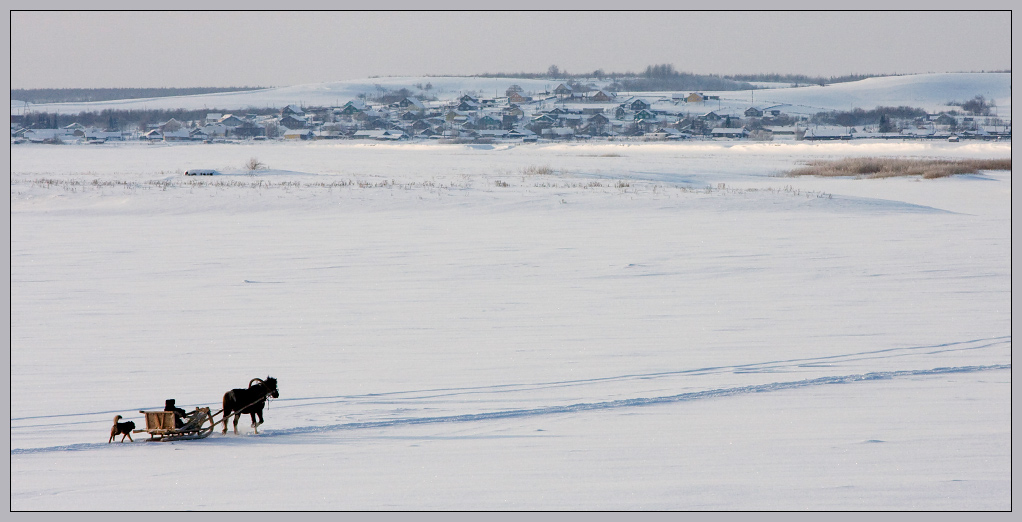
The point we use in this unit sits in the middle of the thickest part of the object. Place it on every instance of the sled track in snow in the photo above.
(643, 401)
(759, 367)
(400, 396)
(572, 408)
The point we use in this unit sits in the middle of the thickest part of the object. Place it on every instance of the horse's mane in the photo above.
(270, 382)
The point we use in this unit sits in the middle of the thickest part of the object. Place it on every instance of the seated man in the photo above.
(179, 414)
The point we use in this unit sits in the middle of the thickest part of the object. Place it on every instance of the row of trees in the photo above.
(386, 96)
(799, 79)
(979, 105)
(882, 116)
(654, 77)
(666, 77)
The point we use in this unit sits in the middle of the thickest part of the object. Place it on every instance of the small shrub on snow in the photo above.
(255, 164)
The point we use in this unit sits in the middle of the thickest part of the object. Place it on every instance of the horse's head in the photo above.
(271, 384)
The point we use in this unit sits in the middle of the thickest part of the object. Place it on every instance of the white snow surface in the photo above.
(928, 91)
(569, 326)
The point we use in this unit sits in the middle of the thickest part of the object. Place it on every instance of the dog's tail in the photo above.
(117, 418)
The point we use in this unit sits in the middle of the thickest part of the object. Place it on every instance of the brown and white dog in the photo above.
(121, 428)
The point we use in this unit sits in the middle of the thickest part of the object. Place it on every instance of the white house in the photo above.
(40, 135)
(181, 134)
(721, 132)
(827, 133)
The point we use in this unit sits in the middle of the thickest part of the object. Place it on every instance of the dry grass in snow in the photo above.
(890, 167)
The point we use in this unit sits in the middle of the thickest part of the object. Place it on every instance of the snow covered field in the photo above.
(590, 326)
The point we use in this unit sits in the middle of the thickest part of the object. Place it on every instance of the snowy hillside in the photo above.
(929, 91)
(330, 94)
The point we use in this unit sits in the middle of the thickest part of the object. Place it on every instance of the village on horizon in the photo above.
(562, 114)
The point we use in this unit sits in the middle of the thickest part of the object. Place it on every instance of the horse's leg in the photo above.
(227, 412)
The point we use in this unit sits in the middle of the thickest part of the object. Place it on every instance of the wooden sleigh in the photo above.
(199, 424)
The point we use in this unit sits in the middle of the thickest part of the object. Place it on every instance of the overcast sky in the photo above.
(204, 49)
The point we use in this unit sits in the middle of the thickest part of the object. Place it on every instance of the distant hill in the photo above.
(130, 93)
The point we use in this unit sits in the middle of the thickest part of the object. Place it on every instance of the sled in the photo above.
(160, 425)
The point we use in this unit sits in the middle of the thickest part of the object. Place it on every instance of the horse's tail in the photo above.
(228, 403)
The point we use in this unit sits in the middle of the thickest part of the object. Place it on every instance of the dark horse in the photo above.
(251, 401)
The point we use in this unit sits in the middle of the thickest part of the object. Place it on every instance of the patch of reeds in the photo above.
(891, 167)
(535, 170)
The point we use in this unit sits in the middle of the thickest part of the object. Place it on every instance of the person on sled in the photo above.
(179, 415)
